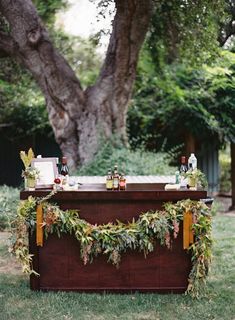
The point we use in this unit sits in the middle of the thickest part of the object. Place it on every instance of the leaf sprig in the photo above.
(27, 157)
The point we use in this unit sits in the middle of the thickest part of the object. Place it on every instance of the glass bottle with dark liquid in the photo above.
(183, 165)
(115, 178)
(183, 170)
(64, 171)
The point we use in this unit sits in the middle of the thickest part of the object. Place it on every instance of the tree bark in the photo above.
(7, 45)
(227, 29)
(190, 144)
(80, 118)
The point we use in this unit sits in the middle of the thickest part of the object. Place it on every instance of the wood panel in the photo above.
(61, 268)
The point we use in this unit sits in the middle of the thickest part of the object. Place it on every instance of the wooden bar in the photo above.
(59, 263)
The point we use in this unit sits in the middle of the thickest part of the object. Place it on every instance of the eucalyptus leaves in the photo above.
(114, 239)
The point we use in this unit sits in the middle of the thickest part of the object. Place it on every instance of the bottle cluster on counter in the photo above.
(188, 176)
(115, 181)
(62, 179)
(180, 176)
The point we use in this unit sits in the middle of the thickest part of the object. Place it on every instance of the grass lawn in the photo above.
(18, 302)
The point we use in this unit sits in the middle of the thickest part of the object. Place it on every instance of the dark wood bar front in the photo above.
(59, 264)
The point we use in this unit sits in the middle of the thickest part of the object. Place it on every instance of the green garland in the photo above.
(114, 239)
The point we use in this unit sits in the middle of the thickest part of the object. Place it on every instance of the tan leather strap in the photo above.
(39, 230)
(187, 230)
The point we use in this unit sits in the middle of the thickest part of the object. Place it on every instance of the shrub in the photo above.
(138, 162)
(225, 172)
(183, 99)
(8, 202)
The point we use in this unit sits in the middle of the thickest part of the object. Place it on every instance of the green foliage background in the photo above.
(183, 99)
(225, 171)
(131, 162)
(185, 30)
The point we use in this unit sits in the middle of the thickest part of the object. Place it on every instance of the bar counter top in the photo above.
(134, 191)
(97, 205)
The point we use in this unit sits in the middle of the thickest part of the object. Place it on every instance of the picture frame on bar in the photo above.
(47, 172)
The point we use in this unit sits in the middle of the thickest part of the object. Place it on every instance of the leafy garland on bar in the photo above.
(113, 239)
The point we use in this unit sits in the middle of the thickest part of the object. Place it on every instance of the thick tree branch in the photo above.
(129, 29)
(115, 82)
(61, 88)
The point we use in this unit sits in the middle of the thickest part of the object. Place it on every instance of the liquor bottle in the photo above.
(64, 171)
(183, 165)
(115, 178)
(192, 161)
(183, 170)
(109, 181)
(122, 182)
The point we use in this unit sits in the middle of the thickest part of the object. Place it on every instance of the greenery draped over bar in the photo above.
(113, 239)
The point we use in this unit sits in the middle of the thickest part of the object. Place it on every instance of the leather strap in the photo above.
(39, 230)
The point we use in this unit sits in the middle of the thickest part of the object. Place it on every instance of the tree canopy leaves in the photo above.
(184, 99)
(185, 29)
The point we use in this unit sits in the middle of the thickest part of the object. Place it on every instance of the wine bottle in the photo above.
(183, 169)
(64, 171)
(183, 165)
(115, 178)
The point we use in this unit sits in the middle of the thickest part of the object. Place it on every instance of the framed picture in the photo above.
(47, 171)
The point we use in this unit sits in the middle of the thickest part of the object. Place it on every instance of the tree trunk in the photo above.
(79, 118)
(190, 144)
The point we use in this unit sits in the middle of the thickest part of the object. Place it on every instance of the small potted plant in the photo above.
(196, 179)
(30, 174)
